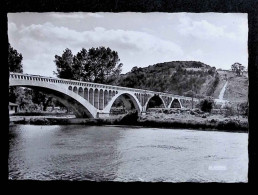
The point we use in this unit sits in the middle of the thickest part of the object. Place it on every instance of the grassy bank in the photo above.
(195, 119)
(158, 120)
(237, 88)
(230, 125)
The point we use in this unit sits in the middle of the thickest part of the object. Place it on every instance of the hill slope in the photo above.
(236, 89)
(180, 77)
(177, 77)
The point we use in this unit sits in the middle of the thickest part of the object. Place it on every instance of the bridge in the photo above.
(94, 100)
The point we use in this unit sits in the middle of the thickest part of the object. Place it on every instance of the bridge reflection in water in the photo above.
(93, 100)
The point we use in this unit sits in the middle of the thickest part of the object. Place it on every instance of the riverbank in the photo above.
(214, 122)
(208, 122)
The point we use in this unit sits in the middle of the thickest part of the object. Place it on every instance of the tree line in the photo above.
(98, 65)
(238, 68)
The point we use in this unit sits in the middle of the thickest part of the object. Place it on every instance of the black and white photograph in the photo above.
(128, 97)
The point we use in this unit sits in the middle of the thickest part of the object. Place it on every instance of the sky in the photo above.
(141, 39)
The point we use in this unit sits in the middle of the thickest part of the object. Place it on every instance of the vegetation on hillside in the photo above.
(212, 87)
(178, 77)
(238, 68)
(237, 87)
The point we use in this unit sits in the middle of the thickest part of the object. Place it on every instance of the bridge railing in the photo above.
(87, 84)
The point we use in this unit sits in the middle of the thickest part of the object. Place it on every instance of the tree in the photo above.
(79, 63)
(242, 108)
(212, 71)
(24, 99)
(14, 60)
(103, 64)
(100, 65)
(134, 69)
(15, 65)
(206, 104)
(40, 99)
(64, 65)
(237, 68)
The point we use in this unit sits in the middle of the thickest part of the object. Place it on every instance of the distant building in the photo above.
(13, 108)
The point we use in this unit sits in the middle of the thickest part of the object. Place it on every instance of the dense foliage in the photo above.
(14, 60)
(244, 108)
(237, 68)
(15, 65)
(32, 100)
(99, 65)
(206, 104)
(235, 109)
(178, 77)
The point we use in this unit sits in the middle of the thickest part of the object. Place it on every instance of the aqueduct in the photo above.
(95, 100)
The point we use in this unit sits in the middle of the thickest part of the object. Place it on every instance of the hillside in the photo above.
(177, 77)
(180, 77)
(236, 89)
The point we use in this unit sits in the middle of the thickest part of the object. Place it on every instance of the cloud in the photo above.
(39, 65)
(12, 27)
(202, 29)
(38, 39)
(99, 35)
(210, 38)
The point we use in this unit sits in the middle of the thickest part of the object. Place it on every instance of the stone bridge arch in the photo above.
(124, 97)
(70, 98)
(174, 102)
(150, 98)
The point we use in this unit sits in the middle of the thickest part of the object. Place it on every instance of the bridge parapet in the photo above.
(72, 82)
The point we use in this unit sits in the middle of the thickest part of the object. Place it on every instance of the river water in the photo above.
(112, 153)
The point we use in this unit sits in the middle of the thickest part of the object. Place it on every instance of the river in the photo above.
(112, 153)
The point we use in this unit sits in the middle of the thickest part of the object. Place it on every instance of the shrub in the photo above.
(206, 104)
(243, 108)
(229, 110)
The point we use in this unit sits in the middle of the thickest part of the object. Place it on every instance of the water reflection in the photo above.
(126, 154)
